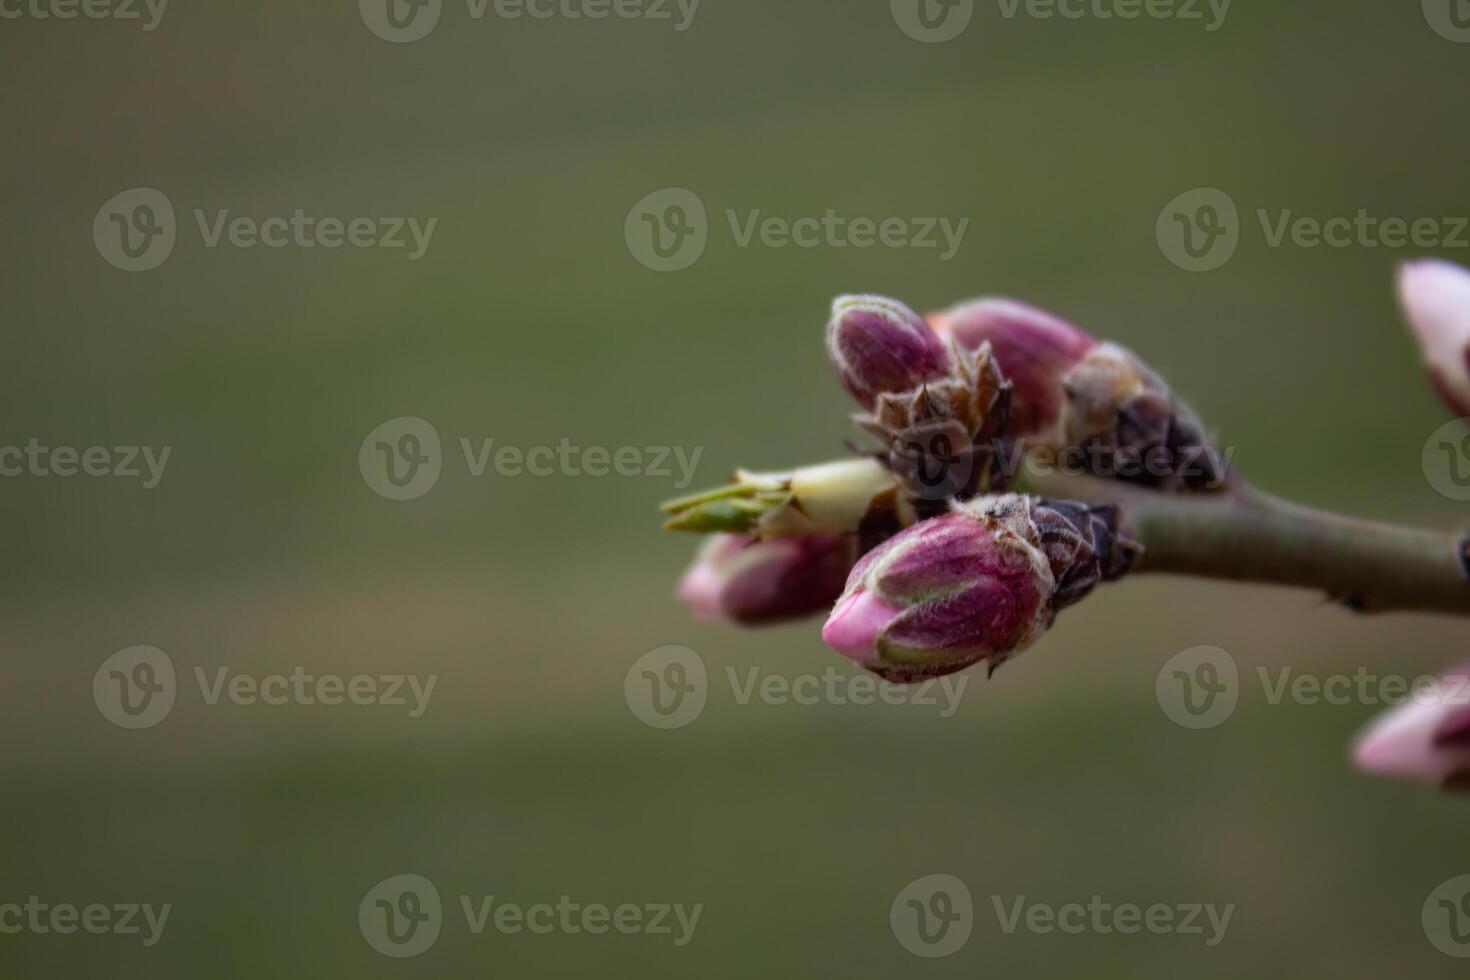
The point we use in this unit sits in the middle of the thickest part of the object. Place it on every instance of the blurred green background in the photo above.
(529, 321)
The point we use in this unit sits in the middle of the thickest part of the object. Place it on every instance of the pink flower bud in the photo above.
(760, 582)
(879, 345)
(1426, 739)
(1436, 297)
(1072, 392)
(980, 583)
(1033, 348)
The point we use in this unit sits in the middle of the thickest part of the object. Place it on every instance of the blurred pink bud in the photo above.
(1436, 298)
(979, 583)
(880, 346)
(760, 582)
(1033, 349)
(1425, 740)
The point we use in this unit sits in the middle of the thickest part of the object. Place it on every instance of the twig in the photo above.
(1247, 536)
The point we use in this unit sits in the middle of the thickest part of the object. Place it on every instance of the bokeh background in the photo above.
(529, 321)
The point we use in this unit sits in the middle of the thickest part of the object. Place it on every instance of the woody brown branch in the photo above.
(1248, 536)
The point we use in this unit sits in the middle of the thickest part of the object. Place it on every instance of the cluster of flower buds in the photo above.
(957, 570)
(1436, 299)
(980, 583)
(928, 555)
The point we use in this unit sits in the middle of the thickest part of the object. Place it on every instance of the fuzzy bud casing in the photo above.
(943, 438)
(1034, 349)
(878, 345)
(760, 582)
(1133, 427)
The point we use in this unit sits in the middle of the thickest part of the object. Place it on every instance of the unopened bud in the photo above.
(1426, 739)
(1133, 426)
(878, 345)
(1436, 298)
(1034, 349)
(1071, 392)
(827, 499)
(980, 583)
(760, 582)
